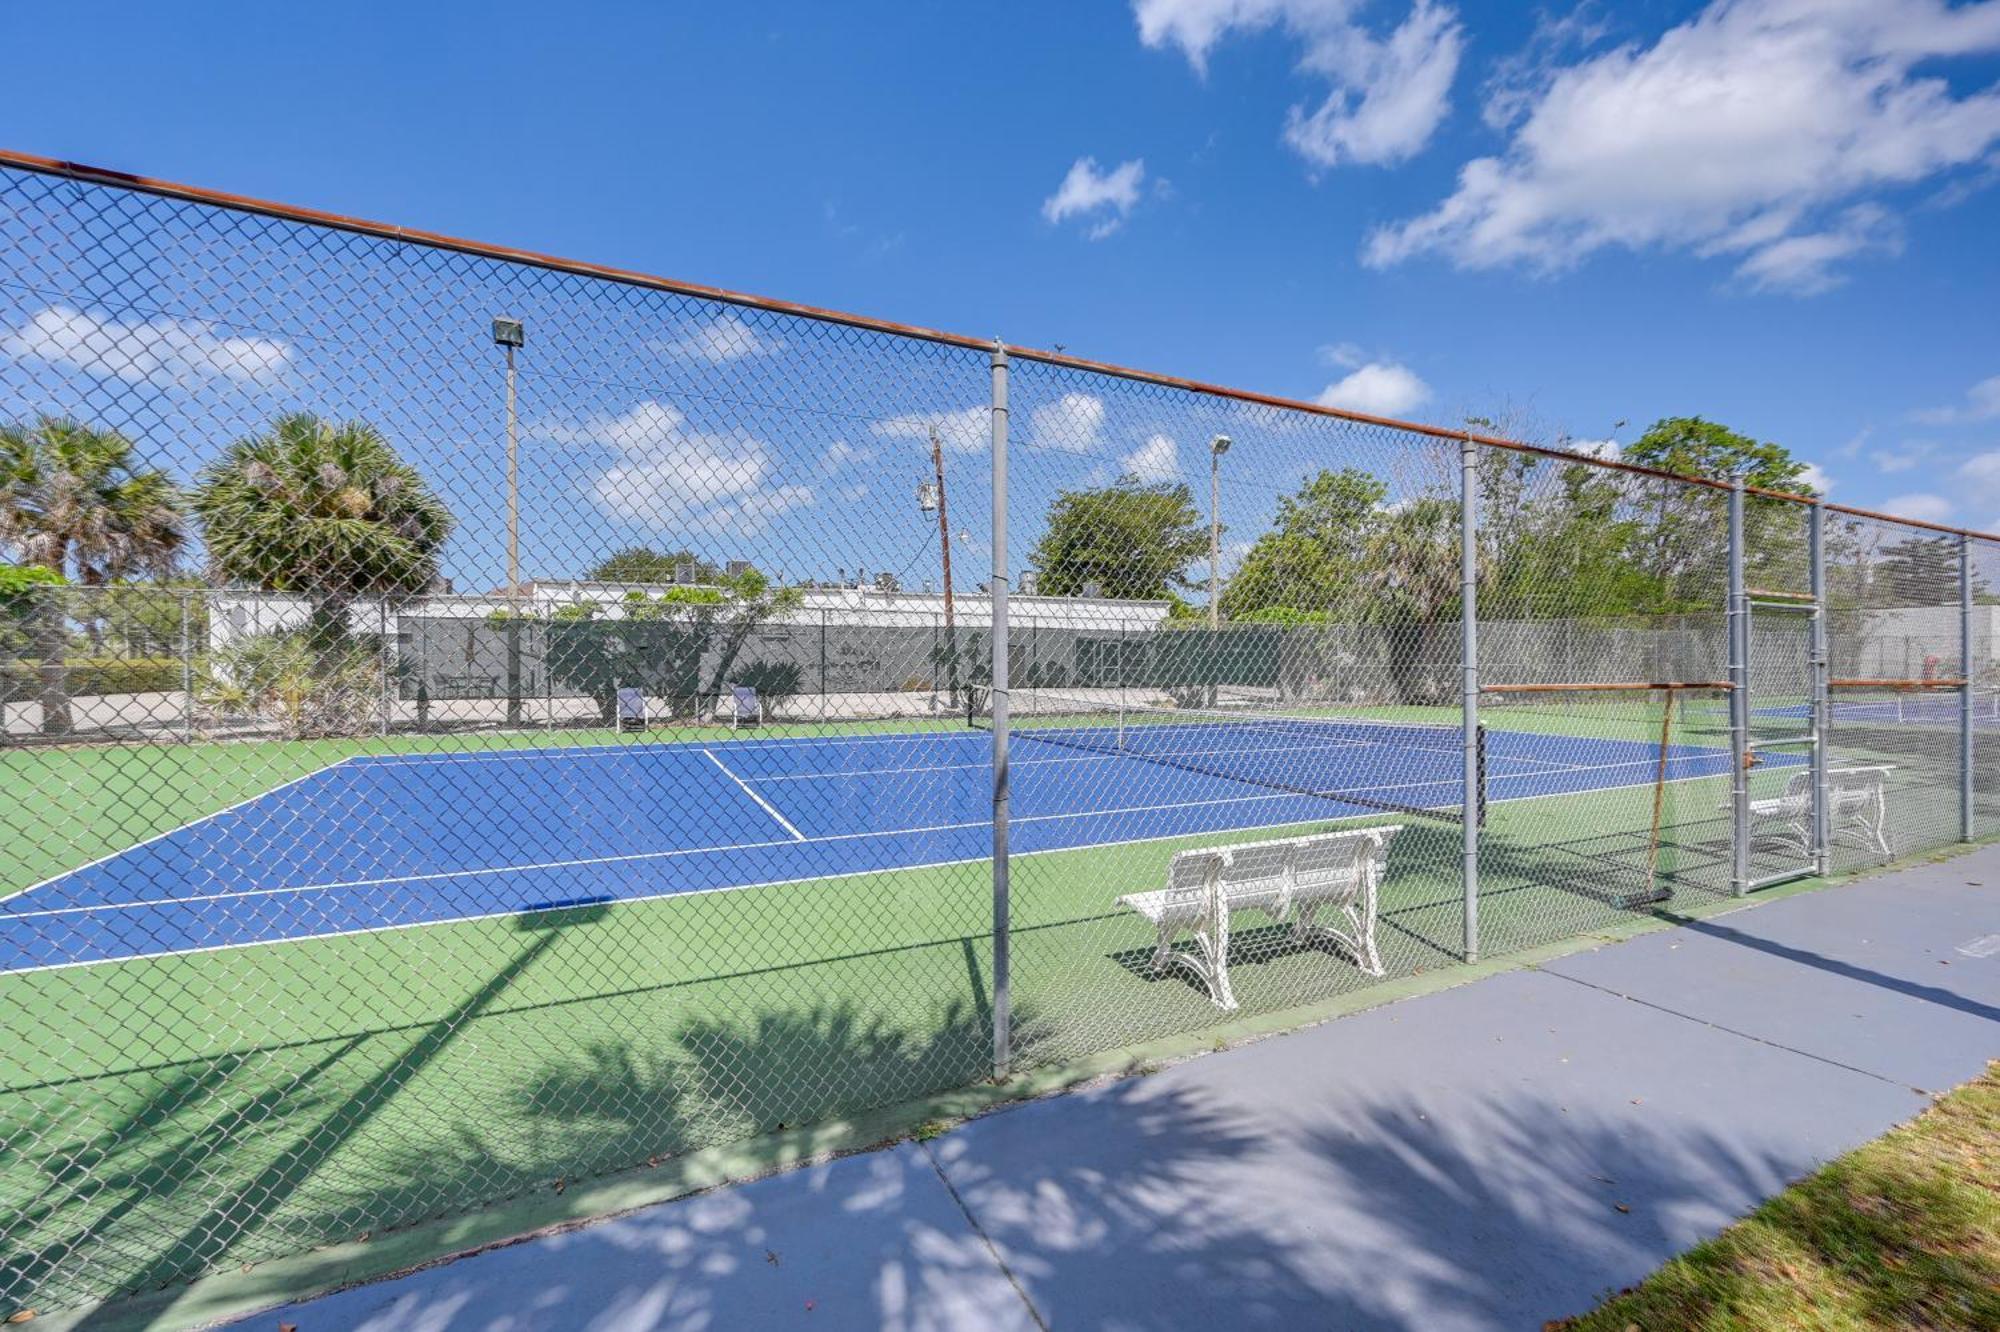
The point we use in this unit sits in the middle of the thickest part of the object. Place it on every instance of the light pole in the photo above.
(930, 495)
(1216, 448)
(509, 333)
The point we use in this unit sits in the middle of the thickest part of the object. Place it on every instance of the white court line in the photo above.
(527, 752)
(513, 913)
(769, 808)
(639, 856)
(191, 823)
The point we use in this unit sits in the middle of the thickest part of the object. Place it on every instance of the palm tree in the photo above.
(75, 498)
(324, 510)
(1411, 589)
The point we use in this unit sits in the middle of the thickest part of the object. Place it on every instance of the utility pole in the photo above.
(931, 496)
(510, 334)
(1217, 447)
(944, 533)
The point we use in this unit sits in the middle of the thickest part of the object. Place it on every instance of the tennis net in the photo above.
(1407, 767)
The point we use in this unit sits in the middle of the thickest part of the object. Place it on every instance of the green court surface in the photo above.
(166, 1116)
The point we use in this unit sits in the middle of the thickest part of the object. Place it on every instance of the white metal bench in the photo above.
(1288, 880)
(1857, 803)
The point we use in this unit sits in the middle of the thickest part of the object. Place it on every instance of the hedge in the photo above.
(21, 678)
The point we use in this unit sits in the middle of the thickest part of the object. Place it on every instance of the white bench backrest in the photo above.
(1256, 868)
(1321, 867)
(1189, 874)
(1331, 865)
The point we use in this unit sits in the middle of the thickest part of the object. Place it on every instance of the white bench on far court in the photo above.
(1857, 804)
(1288, 880)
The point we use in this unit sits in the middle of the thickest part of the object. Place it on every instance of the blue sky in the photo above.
(1776, 213)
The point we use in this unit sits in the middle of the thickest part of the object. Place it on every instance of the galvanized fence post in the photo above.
(1002, 990)
(1822, 711)
(187, 672)
(1964, 688)
(1468, 575)
(1738, 621)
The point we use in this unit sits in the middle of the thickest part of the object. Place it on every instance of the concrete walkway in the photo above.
(1486, 1157)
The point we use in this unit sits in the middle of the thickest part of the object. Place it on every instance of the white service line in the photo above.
(512, 912)
(769, 808)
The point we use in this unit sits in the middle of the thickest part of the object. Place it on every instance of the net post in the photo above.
(1964, 688)
(1468, 575)
(1002, 980)
(1822, 709)
(1738, 625)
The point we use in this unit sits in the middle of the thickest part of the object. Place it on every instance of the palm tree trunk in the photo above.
(51, 646)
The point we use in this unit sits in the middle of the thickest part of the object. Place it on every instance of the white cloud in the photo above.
(1386, 95)
(840, 454)
(683, 480)
(964, 430)
(1756, 130)
(162, 351)
(724, 339)
(1901, 458)
(856, 491)
(1924, 508)
(1073, 423)
(1158, 459)
(1380, 388)
(1804, 264)
(1105, 197)
(1982, 403)
(1979, 479)
(1815, 476)
(1608, 449)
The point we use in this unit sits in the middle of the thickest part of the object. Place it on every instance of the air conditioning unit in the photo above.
(737, 568)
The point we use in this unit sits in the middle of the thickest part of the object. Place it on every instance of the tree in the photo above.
(641, 564)
(76, 498)
(1133, 541)
(659, 643)
(1310, 559)
(1685, 538)
(325, 510)
(20, 590)
(1410, 586)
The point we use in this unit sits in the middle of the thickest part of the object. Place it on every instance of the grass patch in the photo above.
(1902, 1233)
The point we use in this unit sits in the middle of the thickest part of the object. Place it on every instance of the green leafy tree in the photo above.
(1684, 536)
(1135, 542)
(324, 510)
(1410, 586)
(659, 643)
(77, 500)
(20, 586)
(642, 564)
(1310, 560)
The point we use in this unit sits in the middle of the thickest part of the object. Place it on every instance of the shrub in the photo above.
(308, 691)
(98, 675)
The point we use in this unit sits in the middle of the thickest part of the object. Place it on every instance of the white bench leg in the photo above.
(1207, 961)
(1360, 944)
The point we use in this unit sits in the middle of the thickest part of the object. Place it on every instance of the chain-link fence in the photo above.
(471, 722)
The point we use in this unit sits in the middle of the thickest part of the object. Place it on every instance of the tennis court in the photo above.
(390, 841)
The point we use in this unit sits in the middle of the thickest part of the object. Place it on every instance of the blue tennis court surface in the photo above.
(389, 841)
